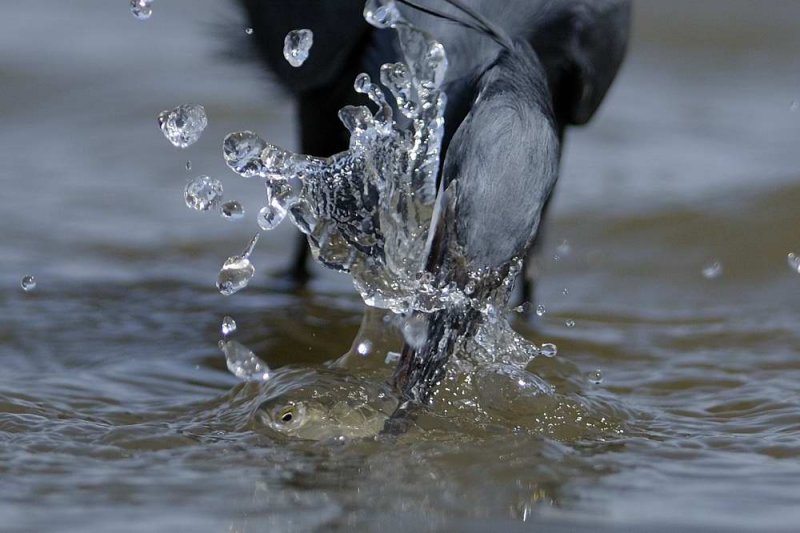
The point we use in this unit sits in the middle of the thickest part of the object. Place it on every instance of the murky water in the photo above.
(117, 411)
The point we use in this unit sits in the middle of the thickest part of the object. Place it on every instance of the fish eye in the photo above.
(286, 414)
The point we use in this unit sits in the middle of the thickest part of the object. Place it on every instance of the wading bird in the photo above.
(520, 72)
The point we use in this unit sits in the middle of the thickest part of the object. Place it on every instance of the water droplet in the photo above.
(243, 363)
(232, 210)
(362, 83)
(565, 291)
(381, 13)
(794, 262)
(540, 310)
(242, 152)
(564, 248)
(248, 31)
(228, 326)
(142, 9)
(364, 348)
(469, 288)
(188, 166)
(595, 376)
(271, 215)
(523, 307)
(415, 331)
(712, 270)
(28, 283)
(202, 193)
(235, 274)
(570, 323)
(549, 349)
(183, 125)
(296, 46)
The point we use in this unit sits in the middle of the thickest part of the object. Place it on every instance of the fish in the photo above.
(328, 407)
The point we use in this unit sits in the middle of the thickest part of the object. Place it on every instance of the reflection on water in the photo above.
(115, 404)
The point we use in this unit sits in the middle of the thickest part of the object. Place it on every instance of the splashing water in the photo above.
(28, 283)
(794, 262)
(297, 45)
(367, 210)
(232, 210)
(237, 271)
(142, 9)
(228, 326)
(549, 349)
(183, 125)
(243, 363)
(202, 193)
(712, 270)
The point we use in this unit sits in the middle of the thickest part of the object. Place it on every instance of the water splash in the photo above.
(549, 349)
(794, 261)
(232, 210)
(237, 271)
(243, 363)
(28, 283)
(202, 193)
(183, 125)
(297, 45)
(142, 9)
(712, 270)
(367, 210)
(228, 326)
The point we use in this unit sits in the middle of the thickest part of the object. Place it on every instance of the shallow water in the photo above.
(117, 412)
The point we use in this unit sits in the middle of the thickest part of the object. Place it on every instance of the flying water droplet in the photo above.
(183, 125)
(415, 331)
(565, 291)
(794, 261)
(712, 270)
(595, 377)
(270, 216)
(364, 348)
(242, 153)
(564, 248)
(381, 13)
(202, 193)
(248, 31)
(234, 275)
(548, 349)
(540, 310)
(228, 326)
(570, 323)
(297, 45)
(142, 9)
(522, 308)
(28, 283)
(188, 166)
(243, 363)
(232, 210)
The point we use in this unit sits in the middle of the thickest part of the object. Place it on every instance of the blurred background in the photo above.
(694, 159)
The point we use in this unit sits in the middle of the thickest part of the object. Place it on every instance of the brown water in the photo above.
(117, 413)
